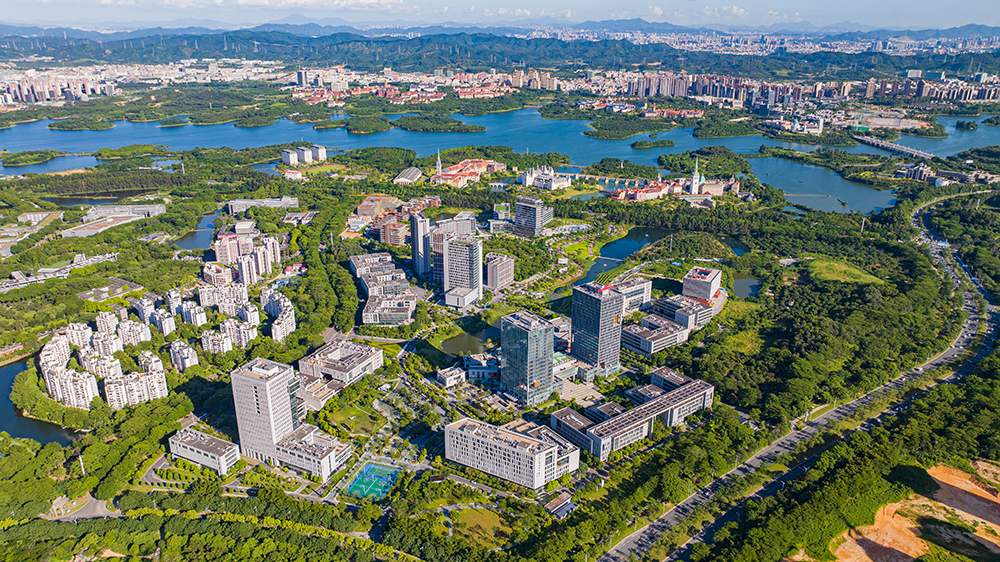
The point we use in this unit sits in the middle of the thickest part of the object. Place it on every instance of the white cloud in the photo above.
(568, 13)
(501, 11)
(470, 9)
(710, 12)
(520, 12)
(734, 11)
(656, 10)
(487, 12)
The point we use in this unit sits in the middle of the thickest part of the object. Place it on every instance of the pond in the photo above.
(613, 253)
(468, 344)
(17, 425)
(745, 286)
(201, 237)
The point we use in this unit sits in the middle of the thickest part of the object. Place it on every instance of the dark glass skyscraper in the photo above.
(597, 326)
(526, 341)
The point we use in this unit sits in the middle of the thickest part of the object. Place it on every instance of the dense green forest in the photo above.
(435, 125)
(27, 157)
(973, 225)
(713, 162)
(482, 51)
(645, 144)
(853, 480)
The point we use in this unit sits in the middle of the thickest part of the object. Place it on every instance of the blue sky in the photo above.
(882, 13)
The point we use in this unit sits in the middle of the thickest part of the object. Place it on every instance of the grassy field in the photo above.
(578, 252)
(747, 342)
(480, 526)
(363, 421)
(390, 349)
(323, 169)
(577, 190)
(738, 310)
(830, 270)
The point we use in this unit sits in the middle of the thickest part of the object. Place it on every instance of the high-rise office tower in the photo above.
(531, 216)
(463, 267)
(267, 408)
(269, 418)
(597, 326)
(420, 243)
(526, 344)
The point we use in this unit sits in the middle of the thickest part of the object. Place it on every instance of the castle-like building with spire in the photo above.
(696, 190)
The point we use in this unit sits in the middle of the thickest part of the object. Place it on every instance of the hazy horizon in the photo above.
(751, 13)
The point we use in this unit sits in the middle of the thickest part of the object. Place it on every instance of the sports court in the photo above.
(373, 482)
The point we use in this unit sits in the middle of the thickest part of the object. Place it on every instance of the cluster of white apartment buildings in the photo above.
(279, 307)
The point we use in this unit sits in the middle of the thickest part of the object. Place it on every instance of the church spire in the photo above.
(695, 177)
(439, 163)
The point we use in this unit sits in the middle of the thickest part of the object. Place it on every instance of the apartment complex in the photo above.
(269, 418)
(605, 428)
(531, 457)
(526, 341)
(132, 389)
(279, 307)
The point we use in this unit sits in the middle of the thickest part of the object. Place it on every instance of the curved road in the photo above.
(642, 540)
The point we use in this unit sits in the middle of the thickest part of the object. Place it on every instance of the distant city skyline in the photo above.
(888, 14)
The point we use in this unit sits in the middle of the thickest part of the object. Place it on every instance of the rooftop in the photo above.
(203, 442)
(263, 369)
(702, 274)
(573, 419)
(341, 355)
(527, 321)
(649, 409)
(496, 434)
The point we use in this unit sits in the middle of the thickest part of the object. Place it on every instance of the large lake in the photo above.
(523, 130)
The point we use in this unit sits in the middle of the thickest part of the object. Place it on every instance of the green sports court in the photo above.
(373, 482)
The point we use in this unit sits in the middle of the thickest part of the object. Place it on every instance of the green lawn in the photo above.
(577, 252)
(737, 310)
(390, 349)
(830, 270)
(363, 421)
(324, 169)
(481, 526)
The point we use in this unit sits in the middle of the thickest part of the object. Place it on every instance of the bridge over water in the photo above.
(892, 147)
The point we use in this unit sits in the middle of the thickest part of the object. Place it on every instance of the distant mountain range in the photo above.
(316, 27)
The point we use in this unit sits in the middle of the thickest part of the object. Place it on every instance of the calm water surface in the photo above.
(17, 425)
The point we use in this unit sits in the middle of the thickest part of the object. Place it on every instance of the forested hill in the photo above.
(475, 52)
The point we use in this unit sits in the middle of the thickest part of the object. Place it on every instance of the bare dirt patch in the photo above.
(987, 470)
(69, 172)
(893, 538)
(963, 516)
(973, 502)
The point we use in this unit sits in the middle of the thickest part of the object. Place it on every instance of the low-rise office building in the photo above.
(343, 361)
(531, 460)
(655, 334)
(602, 431)
(204, 450)
(452, 376)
